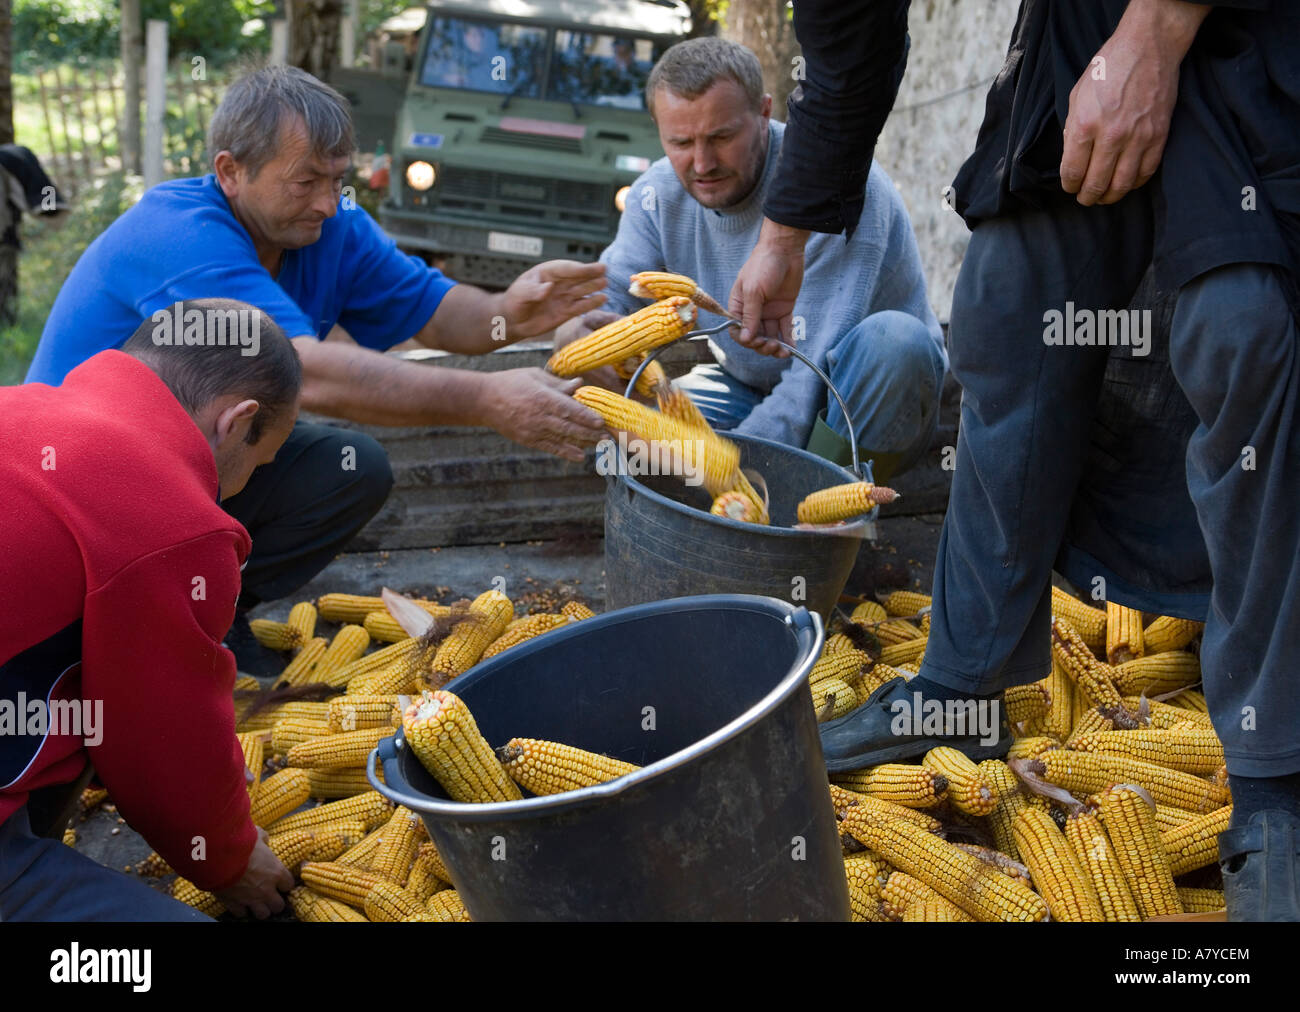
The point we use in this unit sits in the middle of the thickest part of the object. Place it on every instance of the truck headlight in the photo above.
(620, 198)
(420, 176)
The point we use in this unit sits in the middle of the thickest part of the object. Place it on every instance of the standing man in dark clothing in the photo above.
(1117, 135)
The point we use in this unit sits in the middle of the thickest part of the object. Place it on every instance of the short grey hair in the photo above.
(247, 122)
(691, 67)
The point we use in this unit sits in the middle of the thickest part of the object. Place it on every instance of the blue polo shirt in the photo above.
(181, 241)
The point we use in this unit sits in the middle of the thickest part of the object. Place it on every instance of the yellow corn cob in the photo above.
(401, 652)
(717, 459)
(279, 795)
(446, 906)
(1168, 633)
(1200, 901)
(968, 791)
(844, 667)
(389, 902)
(522, 630)
(661, 285)
(275, 635)
(975, 887)
(1195, 844)
(426, 876)
(838, 644)
(1169, 817)
(866, 875)
(439, 865)
(442, 733)
(391, 681)
(302, 619)
(1089, 772)
(869, 612)
(1131, 826)
(577, 611)
(871, 680)
(292, 848)
(1010, 802)
(676, 403)
(843, 502)
(1092, 849)
(361, 853)
(340, 882)
(897, 654)
(1087, 621)
(153, 866)
(332, 751)
(200, 899)
(909, 786)
(488, 617)
(1158, 673)
(906, 603)
(844, 800)
(1024, 702)
(1193, 702)
(352, 713)
(383, 628)
(1091, 676)
(397, 846)
(268, 717)
(348, 644)
(1164, 715)
(833, 698)
(291, 731)
(1057, 874)
(934, 911)
(308, 905)
(372, 808)
(652, 377)
(1192, 751)
(1092, 722)
(1061, 693)
(1004, 863)
(332, 841)
(340, 783)
(902, 891)
(1123, 633)
(547, 767)
(646, 329)
(253, 747)
(1032, 747)
(739, 506)
(299, 670)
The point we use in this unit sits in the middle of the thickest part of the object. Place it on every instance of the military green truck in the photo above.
(520, 126)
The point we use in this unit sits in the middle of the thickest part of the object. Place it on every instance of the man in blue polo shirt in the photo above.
(268, 227)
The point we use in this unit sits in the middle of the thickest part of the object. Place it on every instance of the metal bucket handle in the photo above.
(704, 335)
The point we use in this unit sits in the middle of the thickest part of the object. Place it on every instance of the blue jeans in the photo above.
(44, 880)
(888, 370)
(1026, 411)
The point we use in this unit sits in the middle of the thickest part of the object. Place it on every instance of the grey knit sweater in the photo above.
(665, 228)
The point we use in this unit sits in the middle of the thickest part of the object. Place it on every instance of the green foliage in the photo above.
(51, 247)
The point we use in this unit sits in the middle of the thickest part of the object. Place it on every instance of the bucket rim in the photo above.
(856, 530)
(807, 628)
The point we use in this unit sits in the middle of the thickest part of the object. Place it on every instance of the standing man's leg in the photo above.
(1026, 410)
(890, 374)
(1234, 352)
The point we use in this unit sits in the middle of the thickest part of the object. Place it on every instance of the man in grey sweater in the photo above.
(862, 313)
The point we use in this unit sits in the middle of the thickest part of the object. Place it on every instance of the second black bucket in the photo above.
(661, 540)
(728, 819)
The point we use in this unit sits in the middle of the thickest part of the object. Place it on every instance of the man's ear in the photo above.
(235, 420)
(765, 107)
(227, 172)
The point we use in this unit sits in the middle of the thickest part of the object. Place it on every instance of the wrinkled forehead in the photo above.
(295, 154)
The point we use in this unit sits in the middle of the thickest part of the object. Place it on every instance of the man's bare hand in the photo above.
(764, 294)
(581, 326)
(1120, 108)
(258, 891)
(546, 295)
(537, 409)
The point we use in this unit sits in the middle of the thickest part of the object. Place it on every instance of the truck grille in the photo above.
(531, 198)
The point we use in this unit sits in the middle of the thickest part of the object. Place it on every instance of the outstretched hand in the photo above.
(548, 294)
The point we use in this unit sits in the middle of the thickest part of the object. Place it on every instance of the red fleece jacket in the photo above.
(110, 519)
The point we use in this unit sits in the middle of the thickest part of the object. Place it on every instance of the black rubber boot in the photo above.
(1261, 868)
(889, 727)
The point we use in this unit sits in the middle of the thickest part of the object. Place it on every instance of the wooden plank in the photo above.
(60, 97)
(49, 123)
(155, 100)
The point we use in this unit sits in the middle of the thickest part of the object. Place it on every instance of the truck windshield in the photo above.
(507, 59)
(595, 68)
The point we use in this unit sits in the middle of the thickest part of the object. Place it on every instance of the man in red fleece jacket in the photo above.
(118, 578)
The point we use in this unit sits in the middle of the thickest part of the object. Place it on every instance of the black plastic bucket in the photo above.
(729, 819)
(661, 541)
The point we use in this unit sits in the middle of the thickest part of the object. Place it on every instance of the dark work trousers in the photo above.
(304, 507)
(1026, 411)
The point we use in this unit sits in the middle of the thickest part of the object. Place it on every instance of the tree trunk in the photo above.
(763, 26)
(132, 45)
(8, 213)
(314, 29)
(6, 67)
(702, 18)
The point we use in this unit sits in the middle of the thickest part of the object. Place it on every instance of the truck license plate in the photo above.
(508, 242)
